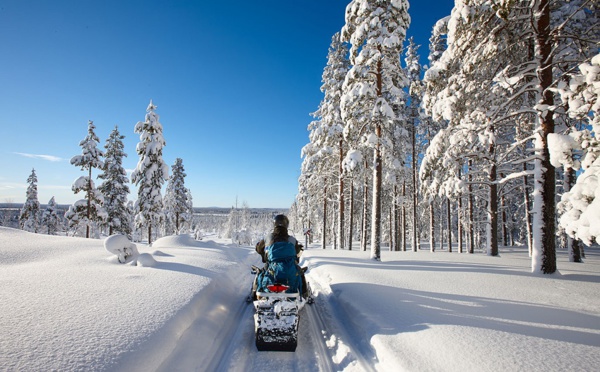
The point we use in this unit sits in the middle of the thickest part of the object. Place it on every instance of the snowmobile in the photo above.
(276, 315)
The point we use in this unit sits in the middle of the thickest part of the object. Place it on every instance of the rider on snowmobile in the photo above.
(280, 234)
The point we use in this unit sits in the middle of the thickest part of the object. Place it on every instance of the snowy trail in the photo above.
(327, 318)
(221, 338)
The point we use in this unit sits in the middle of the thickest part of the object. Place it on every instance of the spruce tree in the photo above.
(177, 205)
(88, 210)
(151, 172)
(30, 212)
(50, 218)
(115, 188)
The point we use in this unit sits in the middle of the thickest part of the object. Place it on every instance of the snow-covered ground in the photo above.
(67, 304)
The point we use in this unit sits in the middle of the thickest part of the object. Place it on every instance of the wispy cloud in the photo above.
(43, 157)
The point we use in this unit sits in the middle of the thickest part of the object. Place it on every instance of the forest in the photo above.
(493, 143)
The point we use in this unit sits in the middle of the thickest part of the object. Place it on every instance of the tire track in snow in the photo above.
(345, 354)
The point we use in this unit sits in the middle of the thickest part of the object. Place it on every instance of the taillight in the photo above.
(277, 288)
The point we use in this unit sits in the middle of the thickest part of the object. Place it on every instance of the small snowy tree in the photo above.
(50, 218)
(89, 210)
(177, 205)
(30, 213)
(114, 188)
(151, 172)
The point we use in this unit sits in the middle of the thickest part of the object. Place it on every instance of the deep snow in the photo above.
(67, 304)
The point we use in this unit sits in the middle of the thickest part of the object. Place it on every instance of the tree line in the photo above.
(484, 147)
(107, 206)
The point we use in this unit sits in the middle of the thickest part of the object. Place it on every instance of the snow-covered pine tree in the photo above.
(413, 72)
(115, 188)
(30, 212)
(88, 210)
(580, 206)
(151, 172)
(177, 206)
(376, 30)
(50, 218)
(330, 122)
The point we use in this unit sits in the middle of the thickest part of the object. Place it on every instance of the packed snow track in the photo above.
(221, 337)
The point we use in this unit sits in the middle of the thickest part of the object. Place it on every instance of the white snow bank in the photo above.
(422, 311)
(65, 306)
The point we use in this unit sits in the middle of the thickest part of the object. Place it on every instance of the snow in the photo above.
(67, 304)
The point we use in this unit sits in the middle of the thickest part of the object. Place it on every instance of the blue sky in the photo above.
(234, 81)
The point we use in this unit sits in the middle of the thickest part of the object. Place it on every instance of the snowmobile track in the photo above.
(326, 323)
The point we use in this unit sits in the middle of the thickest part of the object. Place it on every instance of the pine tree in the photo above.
(30, 212)
(50, 218)
(114, 188)
(376, 31)
(151, 172)
(89, 210)
(177, 205)
(413, 71)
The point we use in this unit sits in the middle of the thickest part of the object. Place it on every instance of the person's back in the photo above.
(279, 251)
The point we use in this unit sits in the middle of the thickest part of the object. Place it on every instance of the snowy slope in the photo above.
(67, 304)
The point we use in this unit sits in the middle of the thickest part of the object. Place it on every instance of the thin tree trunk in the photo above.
(459, 215)
(504, 219)
(351, 227)
(404, 224)
(441, 225)
(324, 240)
(528, 217)
(415, 180)
(471, 211)
(365, 220)
(449, 221)
(493, 213)
(341, 225)
(431, 226)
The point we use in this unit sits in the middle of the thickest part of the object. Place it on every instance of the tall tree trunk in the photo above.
(376, 207)
(493, 214)
(415, 191)
(471, 210)
(404, 224)
(341, 201)
(459, 215)
(504, 219)
(544, 243)
(441, 245)
(431, 226)
(449, 221)
(324, 240)
(365, 219)
(391, 231)
(397, 231)
(528, 217)
(377, 177)
(150, 234)
(351, 227)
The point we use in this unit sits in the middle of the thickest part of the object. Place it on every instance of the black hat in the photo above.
(281, 220)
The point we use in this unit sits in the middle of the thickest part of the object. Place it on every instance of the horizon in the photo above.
(234, 85)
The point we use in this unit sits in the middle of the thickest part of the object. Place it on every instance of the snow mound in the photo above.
(175, 241)
(146, 260)
(122, 247)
